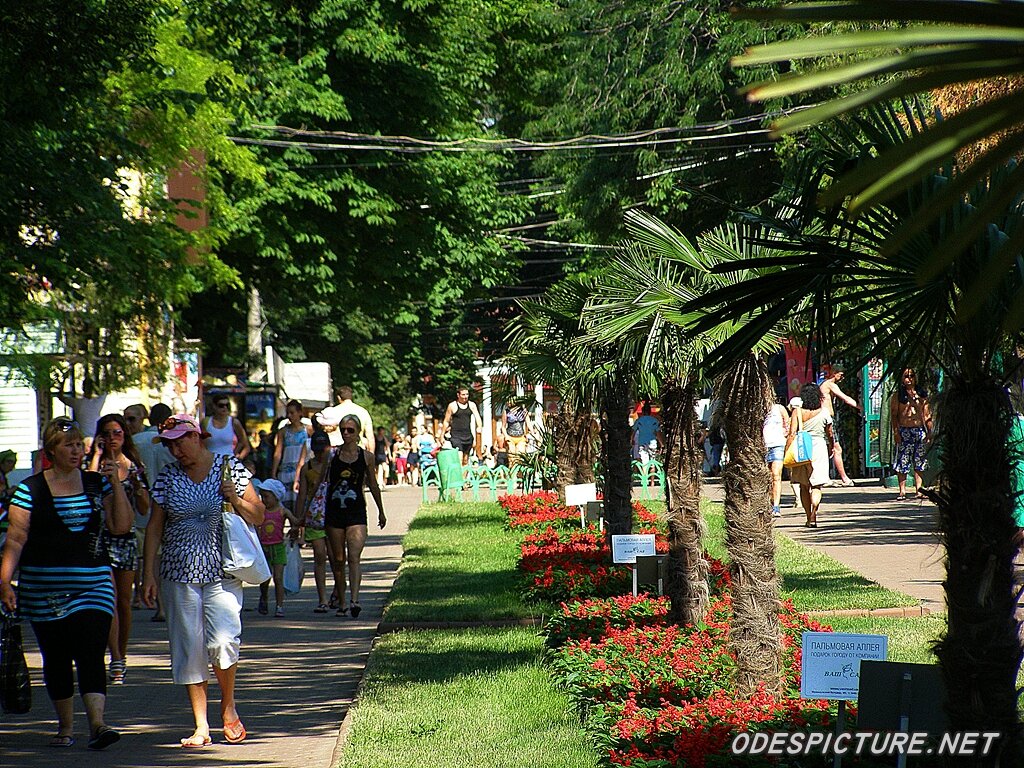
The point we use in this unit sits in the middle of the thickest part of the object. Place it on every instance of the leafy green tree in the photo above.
(366, 258)
(97, 105)
(546, 343)
(914, 48)
(632, 67)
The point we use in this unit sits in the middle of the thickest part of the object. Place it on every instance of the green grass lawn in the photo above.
(910, 639)
(812, 580)
(459, 565)
(452, 699)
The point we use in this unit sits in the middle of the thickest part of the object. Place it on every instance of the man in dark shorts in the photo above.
(463, 419)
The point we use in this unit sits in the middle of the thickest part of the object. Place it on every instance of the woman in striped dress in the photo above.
(65, 588)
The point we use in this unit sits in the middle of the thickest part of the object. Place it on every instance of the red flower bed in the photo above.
(592, 619)
(658, 694)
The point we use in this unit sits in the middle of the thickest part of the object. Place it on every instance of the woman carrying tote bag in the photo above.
(187, 517)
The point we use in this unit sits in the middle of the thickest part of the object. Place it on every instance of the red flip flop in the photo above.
(234, 732)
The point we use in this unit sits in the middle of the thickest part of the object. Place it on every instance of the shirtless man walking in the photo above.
(829, 389)
(911, 420)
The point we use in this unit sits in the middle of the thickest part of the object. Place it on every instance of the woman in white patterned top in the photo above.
(203, 605)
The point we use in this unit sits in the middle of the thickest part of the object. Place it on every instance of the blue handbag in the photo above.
(801, 448)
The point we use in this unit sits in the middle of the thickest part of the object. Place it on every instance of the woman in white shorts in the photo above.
(202, 604)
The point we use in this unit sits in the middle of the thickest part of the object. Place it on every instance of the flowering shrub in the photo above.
(660, 664)
(592, 619)
(665, 692)
(697, 733)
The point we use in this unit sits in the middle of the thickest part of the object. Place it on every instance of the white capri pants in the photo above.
(204, 626)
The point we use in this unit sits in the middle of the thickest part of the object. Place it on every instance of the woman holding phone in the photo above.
(113, 443)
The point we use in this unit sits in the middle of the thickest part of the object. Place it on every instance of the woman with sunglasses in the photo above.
(114, 443)
(203, 606)
(225, 434)
(64, 586)
(351, 469)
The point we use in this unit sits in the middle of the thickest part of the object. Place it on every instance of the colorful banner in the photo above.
(799, 368)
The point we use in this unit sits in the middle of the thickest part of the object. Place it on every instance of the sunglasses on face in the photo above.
(65, 425)
(222, 404)
(131, 418)
(348, 430)
(172, 422)
(112, 433)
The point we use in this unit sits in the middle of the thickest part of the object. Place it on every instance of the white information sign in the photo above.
(625, 549)
(579, 495)
(830, 667)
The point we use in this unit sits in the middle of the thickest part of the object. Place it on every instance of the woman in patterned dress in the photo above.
(64, 584)
(290, 451)
(203, 605)
(114, 442)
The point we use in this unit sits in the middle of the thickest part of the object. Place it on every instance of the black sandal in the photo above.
(105, 736)
(356, 610)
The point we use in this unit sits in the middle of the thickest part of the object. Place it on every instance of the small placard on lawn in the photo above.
(578, 495)
(626, 548)
(830, 667)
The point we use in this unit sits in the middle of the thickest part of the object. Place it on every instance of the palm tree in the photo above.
(900, 305)
(544, 345)
(914, 47)
(636, 301)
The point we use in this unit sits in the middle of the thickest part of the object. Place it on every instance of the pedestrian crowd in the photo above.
(139, 515)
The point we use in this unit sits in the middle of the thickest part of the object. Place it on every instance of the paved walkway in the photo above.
(297, 678)
(891, 542)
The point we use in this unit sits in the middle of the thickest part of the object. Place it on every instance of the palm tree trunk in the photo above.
(687, 569)
(574, 450)
(746, 395)
(980, 652)
(585, 447)
(618, 484)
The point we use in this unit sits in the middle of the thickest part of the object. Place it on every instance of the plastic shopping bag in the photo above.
(294, 568)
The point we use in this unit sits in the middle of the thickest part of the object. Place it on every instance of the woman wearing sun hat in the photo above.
(202, 604)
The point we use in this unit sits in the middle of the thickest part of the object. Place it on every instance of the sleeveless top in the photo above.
(462, 422)
(294, 442)
(222, 439)
(774, 429)
(515, 422)
(347, 478)
(64, 567)
(313, 476)
(272, 529)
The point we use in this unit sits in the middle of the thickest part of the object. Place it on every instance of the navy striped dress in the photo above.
(63, 566)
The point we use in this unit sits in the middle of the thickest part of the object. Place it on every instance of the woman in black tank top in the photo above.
(351, 469)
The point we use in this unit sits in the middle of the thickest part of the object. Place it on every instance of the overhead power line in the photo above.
(352, 141)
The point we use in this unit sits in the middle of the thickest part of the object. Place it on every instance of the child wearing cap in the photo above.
(271, 533)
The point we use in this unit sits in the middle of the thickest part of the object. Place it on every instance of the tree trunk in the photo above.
(746, 395)
(618, 481)
(687, 569)
(980, 652)
(574, 450)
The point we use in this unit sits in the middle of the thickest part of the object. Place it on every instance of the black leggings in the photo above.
(81, 638)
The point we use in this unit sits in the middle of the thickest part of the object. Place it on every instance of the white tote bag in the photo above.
(243, 555)
(294, 568)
